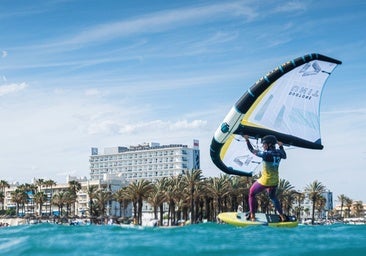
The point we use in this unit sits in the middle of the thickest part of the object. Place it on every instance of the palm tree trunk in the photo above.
(161, 214)
(140, 211)
(193, 217)
(313, 213)
(135, 210)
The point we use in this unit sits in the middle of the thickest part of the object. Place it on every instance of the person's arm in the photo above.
(282, 150)
(250, 147)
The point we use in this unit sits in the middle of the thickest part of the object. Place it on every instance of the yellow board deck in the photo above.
(239, 219)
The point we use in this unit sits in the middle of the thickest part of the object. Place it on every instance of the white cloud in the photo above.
(12, 88)
(93, 92)
(184, 124)
(154, 127)
(290, 6)
(4, 54)
(159, 21)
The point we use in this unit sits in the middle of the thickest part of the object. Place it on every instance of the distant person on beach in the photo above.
(269, 178)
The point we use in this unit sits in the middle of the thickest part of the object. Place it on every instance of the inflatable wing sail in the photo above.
(284, 103)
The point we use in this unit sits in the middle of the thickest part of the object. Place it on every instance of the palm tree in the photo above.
(200, 195)
(2, 199)
(102, 198)
(218, 187)
(140, 190)
(40, 198)
(39, 183)
(300, 197)
(342, 199)
(286, 195)
(181, 202)
(123, 197)
(357, 209)
(91, 191)
(314, 190)
(156, 199)
(19, 197)
(59, 200)
(30, 190)
(70, 199)
(3, 184)
(244, 187)
(238, 191)
(50, 184)
(349, 202)
(320, 204)
(191, 180)
(74, 188)
(171, 191)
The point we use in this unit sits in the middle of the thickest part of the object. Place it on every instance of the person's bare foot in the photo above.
(283, 218)
(251, 217)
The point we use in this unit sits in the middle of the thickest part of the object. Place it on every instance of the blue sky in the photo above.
(76, 74)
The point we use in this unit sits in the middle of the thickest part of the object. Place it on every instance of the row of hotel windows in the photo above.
(137, 155)
(140, 168)
(139, 162)
(165, 173)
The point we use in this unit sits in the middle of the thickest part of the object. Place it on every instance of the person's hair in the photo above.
(270, 140)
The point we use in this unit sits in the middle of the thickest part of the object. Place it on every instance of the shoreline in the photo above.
(6, 222)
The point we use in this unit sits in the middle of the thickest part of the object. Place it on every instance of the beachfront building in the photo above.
(29, 207)
(109, 182)
(148, 161)
(354, 208)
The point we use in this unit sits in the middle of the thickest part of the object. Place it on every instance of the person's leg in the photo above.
(275, 201)
(254, 189)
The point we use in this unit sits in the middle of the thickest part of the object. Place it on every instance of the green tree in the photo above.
(74, 188)
(156, 198)
(39, 199)
(218, 187)
(300, 197)
(342, 199)
(349, 202)
(357, 209)
(3, 185)
(2, 200)
(49, 184)
(314, 191)
(29, 190)
(140, 190)
(91, 191)
(59, 200)
(19, 197)
(286, 195)
(39, 183)
(102, 197)
(191, 180)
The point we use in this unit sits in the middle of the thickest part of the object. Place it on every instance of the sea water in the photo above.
(200, 239)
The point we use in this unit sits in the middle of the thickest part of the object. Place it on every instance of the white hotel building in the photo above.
(149, 161)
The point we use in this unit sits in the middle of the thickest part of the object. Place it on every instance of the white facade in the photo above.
(109, 182)
(147, 161)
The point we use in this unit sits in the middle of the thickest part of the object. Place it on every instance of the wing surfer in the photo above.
(269, 179)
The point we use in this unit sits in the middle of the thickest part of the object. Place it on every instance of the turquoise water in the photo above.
(201, 239)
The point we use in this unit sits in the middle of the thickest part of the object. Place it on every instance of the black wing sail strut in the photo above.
(306, 67)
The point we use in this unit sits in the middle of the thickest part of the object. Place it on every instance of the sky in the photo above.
(76, 74)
